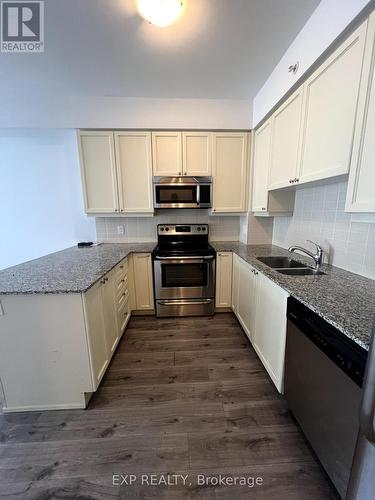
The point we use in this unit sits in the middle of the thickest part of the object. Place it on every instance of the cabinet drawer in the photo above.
(123, 296)
(121, 284)
(121, 268)
(123, 314)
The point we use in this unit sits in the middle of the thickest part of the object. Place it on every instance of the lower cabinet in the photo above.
(270, 328)
(143, 282)
(260, 306)
(224, 279)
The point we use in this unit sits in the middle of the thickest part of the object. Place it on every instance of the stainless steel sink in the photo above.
(305, 271)
(281, 262)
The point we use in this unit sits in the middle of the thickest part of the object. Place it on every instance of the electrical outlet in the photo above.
(120, 230)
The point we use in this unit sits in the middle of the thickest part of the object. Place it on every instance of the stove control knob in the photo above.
(203, 228)
(162, 229)
(198, 228)
(167, 228)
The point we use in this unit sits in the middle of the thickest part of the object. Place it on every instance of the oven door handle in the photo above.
(190, 258)
(184, 302)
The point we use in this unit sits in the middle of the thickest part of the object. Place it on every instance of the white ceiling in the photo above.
(220, 49)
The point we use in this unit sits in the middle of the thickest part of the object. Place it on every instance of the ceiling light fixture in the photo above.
(160, 12)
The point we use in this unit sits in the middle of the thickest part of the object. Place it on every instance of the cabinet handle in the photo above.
(121, 210)
(263, 208)
(179, 173)
(290, 181)
(116, 209)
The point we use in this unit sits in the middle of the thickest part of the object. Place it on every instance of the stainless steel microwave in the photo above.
(182, 192)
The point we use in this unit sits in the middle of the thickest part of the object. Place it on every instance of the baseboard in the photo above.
(143, 313)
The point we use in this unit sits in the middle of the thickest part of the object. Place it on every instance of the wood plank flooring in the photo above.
(182, 396)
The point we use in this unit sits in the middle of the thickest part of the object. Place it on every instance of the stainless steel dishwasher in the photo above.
(324, 373)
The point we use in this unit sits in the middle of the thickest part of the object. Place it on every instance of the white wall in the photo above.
(43, 111)
(319, 216)
(329, 20)
(41, 207)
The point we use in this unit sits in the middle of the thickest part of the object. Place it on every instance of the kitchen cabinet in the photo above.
(143, 282)
(197, 154)
(261, 164)
(265, 202)
(223, 280)
(167, 153)
(330, 106)
(97, 332)
(260, 306)
(98, 171)
(286, 127)
(361, 186)
(247, 298)
(235, 283)
(270, 328)
(182, 153)
(116, 172)
(134, 171)
(109, 312)
(122, 295)
(229, 169)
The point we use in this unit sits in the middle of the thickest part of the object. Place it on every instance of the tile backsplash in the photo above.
(139, 229)
(319, 216)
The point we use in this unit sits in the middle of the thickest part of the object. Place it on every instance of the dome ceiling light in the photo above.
(160, 12)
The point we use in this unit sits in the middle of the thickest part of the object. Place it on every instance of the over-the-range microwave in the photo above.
(182, 192)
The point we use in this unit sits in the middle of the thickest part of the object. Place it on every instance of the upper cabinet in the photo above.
(167, 153)
(286, 126)
(361, 187)
(98, 170)
(197, 154)
(265, 202)
(330, 105)
(116, 171)
(261, 162)
(134, 171)
(182, 153)
(229, 170)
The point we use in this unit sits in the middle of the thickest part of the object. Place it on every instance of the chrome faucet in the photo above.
(317, 257)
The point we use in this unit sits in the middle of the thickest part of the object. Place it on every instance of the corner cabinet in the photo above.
(361, 187)
(229, 171)
(116, 172)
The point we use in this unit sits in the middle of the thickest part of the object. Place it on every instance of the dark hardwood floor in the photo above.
(182, 396)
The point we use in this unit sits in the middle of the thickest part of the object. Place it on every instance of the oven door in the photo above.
(176, 195)
(185, 277)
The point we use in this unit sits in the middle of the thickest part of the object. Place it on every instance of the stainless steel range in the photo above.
(184, 271)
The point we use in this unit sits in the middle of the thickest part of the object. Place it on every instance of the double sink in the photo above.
(288, 266)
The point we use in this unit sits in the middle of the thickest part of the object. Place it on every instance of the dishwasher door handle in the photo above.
(367, 415)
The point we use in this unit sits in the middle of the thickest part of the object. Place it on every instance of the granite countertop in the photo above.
(345, 300)
(73, 270)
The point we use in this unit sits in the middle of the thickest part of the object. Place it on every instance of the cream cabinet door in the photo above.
(134, 171)
(247, 298)
(361, 187)
(270, 328)
(223, 279)
(95, 325)
(330, 105)
(143, 282)
(261, 163)
(167, 153)
(197, 154)
(286, 127)
(98, 171)
(229, 170)
(109, 312)
(235, 283)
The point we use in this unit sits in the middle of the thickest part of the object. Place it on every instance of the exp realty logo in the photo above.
(22, 26)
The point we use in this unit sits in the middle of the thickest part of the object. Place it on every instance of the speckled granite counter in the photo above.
(344, 299)
(73, 270)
